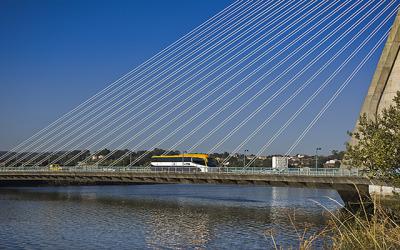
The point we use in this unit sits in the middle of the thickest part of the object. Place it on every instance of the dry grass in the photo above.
(306, 239)
(362, 230)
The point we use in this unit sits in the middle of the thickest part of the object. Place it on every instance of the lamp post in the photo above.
(316, 157)
(244, 157)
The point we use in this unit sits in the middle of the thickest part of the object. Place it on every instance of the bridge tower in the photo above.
(386, 80)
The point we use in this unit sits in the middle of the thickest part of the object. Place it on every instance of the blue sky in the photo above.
(56, 54)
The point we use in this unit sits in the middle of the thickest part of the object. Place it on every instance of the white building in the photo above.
(331, 163)
(280, 162)
(97, 157)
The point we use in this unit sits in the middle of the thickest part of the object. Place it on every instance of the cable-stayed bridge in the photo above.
(244, 77)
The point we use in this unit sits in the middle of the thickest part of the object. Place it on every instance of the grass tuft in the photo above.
(347, 230)
(380, 230)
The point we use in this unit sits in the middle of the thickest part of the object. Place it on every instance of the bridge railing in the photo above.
(224, 170)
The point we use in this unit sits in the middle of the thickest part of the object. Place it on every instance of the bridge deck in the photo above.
(326, 179)
(348, 184)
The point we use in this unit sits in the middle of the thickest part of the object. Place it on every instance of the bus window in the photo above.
(199, 161)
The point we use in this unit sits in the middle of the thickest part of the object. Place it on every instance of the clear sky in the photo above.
(56, 54)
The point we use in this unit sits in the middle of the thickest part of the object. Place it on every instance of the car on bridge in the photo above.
(55, 167)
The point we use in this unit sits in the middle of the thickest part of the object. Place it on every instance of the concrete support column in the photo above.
(354, 197)
(386, 80)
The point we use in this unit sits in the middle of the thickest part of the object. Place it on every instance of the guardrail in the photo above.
(224, 170)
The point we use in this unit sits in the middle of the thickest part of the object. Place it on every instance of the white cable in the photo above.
(248, 88)
(248, 118)
(315, 75)
(337, 93)
(180, 126)
(88, 107)
(343, 48)
(220, 86)
(164, 105)
(143, 110)
(117, 81)
(54, 138)
(294, 116)
(92, 129)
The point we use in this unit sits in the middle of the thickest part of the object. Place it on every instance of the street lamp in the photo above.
(244, 157)
(316, 157)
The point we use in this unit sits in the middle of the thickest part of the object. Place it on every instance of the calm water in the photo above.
(158, 216)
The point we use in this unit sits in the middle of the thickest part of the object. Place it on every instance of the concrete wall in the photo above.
(383, 190)
(386, 80)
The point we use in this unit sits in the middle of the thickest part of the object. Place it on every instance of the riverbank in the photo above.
(363, 230)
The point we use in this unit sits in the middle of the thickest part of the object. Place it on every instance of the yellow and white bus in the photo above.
(184, 162)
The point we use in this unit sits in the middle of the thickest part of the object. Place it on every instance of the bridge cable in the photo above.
(143, 65)
(297, 92)
(333, 98)
(167, 48)
(86, 115)
(295, 115)
(381, 41)
(165, 114)
(87, 122)
(176, 97)
(172, 133)
(92, 127)
(248, 88)
(195, 104)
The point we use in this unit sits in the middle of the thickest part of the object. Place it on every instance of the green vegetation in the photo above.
(378, 152)
(378, 144)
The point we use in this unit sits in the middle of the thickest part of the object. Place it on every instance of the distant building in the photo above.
(97, 157)
(280, 162)
(250, 157)
(332, 164)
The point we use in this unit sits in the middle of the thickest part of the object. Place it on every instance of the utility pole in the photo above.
(316, 157)
(244, 157)
(183, 158)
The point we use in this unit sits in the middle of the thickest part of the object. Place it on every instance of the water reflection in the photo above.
(157, 216)
(177, 228)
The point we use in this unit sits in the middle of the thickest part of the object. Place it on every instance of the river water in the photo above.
(161, 216)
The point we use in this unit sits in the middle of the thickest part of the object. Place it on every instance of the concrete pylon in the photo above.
(386, 80)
